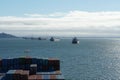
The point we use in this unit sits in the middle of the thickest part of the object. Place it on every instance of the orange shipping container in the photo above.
(53, 77)
(32, 77)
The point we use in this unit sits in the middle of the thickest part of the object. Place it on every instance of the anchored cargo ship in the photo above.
(54, 39)
(75, 41)
(26, 68)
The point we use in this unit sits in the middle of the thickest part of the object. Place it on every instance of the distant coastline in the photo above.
(5, 35)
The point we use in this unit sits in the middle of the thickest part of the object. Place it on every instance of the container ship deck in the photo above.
(26, 68)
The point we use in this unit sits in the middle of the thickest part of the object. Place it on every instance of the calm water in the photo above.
(92, 59)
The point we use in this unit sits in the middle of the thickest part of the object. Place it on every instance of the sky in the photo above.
(82, 18)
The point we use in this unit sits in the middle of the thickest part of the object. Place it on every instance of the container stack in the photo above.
(4, 65)
(10, 75)
(26, 68)
(54, 64)
(45, 77)
(0, 65)
(17, 75)
(24, 75)
(33, 69)
(32, 77)
(15, 64)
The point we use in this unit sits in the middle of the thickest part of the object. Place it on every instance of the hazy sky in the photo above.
(83, 18)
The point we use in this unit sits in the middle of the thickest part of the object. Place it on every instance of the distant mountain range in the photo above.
(5, 35)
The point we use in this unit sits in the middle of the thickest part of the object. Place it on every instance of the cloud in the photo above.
(57, 14)
(73, 23)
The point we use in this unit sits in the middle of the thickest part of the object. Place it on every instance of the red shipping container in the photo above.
(39, 77)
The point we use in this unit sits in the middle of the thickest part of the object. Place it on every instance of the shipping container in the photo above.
(0, 63)
(24, 75)
(26, 68)
(32, 77)
(34, 61)
(39, 68)
(33, 68)
(54, 64)
(53, 77)
(38, 77)
(17, 75)
(58, 72)
(22, 61)
(16, 61)
(46, 77)
(49, 73)
(4, 62)
(28, 60)
(9, 75)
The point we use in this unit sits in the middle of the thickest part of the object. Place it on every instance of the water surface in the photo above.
(92, 59)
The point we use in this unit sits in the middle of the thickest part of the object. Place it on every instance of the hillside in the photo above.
(5, 35)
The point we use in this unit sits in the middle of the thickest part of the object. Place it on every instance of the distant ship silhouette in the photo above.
(75, 41)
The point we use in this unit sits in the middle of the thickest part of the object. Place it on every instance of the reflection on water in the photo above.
(92, 59)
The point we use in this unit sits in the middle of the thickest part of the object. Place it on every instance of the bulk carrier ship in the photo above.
(27, 68)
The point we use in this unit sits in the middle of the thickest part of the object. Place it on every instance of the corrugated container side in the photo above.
(34, 61)
(51, 68)
(43, 73)
(58, 72)
(16, 66)
(17, 77)
(53, 77)
(32, 77)
(22, 61)
(44, 68)
(54, 64)
(39, 68)
(9, 62)
(49, 73)
(28, 60)
(39, 77)
(57, 64)
(18, 71)
(33, 68)
(24, 75)
(25, 72)
(45, 77)
(4, 69)
(27, 67)
(0, 63)
(39, 61)
(9, 75)
(16, 61)
(4, 62)
(22, 67)
(45, 61)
